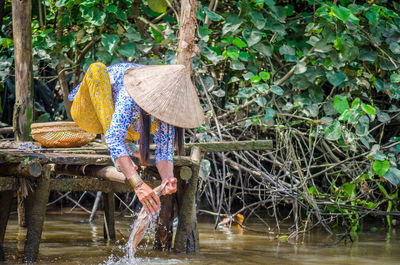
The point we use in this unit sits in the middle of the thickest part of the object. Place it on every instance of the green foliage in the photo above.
(343, 88)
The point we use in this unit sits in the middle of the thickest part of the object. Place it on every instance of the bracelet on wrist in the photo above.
(135, 180)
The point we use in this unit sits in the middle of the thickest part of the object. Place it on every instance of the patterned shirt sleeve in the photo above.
(121, 119)
(164, 141)
(73, 93)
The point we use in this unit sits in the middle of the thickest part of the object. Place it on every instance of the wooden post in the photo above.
(187, 236)
(5, 208)
(23, 107)
(36, 211)
(109, 222)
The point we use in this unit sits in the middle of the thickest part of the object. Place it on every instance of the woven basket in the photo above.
(60, 134)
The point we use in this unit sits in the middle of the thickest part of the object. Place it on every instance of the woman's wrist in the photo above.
(135, 180)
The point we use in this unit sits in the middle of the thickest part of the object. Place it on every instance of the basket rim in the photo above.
(40, 125)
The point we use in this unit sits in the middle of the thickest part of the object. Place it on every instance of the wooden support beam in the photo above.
(6, 198)
(22, 169)
(187, 236)
(36, 211)
(22, 33)
(104, 172)
(109, 221)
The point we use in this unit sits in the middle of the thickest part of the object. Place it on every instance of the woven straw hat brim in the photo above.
(165, 92)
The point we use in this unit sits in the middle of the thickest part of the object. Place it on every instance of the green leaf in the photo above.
(109, 42)
(287, 50)
(341, 13)
(368, 109)
(112, 9)
(393, 176)
(61, 3)
(258, 20)
(231, 24)
(93, 15)
(265, 50)
(233, 54)
(301, 67)
(356, 103)
(237, 65)
(333, 132)
(277, 90)
(373, 17)
(133, 35)
(244, 56)
(255, 79)
(265, 76)
(395, 47)
(127, 50)
(336, 78)
(261, 101)
(219, 93)
(212, 15)
(380, 167)
(395, 78)
(159, 6)
(269, 114)
(239, 43)
(340, 103)
(349, 190)
(252, 37)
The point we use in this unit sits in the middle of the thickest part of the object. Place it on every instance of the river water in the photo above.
(69, 239)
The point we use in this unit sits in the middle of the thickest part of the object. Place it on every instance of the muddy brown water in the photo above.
(69, 239)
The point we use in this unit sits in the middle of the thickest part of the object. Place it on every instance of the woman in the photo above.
(128, 102)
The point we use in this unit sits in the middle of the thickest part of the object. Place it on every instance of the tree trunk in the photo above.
(187, 237)
(187, 33)
(23, 108)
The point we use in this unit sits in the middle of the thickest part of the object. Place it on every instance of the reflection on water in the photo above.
(69, 239)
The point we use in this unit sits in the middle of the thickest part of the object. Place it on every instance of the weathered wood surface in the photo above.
(187, 236)
(16, 156)
(22, 34)
(36, 212)
(88, 184)
(22, 169)
(6, 198)
(104, 172)
(8, 184)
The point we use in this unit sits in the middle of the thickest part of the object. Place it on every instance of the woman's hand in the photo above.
(170, 185)
(149, 199)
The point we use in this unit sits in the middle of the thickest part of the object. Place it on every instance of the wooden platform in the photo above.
(90, 169)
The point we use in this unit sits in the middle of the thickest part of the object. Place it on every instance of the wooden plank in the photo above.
(16, 156)
(91, 184)
(36, 203)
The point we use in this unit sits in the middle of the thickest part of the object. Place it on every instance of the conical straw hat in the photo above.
(165, 92)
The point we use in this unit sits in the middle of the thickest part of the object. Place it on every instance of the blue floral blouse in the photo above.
(126, 112)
